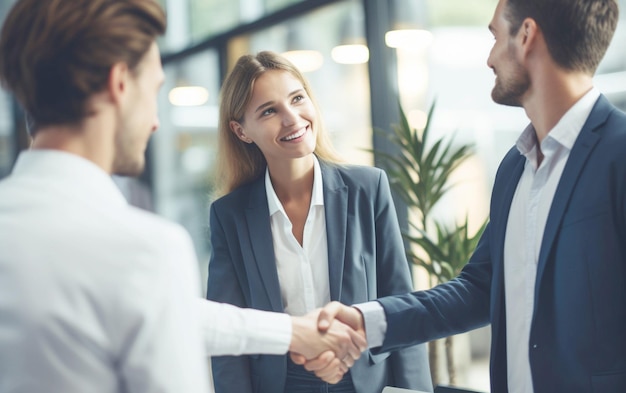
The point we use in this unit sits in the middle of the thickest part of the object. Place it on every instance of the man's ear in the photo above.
(528, 35)
(118, 81)
(237, 129)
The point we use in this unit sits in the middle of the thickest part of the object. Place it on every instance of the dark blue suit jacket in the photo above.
(366, 260)
(578, 331)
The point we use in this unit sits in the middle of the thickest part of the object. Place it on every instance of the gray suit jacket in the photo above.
(366, 260)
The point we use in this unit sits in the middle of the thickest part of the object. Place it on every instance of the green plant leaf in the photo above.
(420, 175)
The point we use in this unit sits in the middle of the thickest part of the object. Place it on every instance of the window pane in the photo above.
(183, 149)
(6, 134)
(7, 128)
(274, 5)
(211, 17)
(460, 12)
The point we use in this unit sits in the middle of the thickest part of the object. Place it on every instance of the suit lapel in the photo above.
(260, 233)
(336, 213)
(575, 163)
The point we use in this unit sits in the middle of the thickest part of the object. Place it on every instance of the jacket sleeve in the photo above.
(454, 307)
(408, 367)
(230, 373)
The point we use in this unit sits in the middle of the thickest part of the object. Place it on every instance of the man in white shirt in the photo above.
(549, 272)
(95, 295)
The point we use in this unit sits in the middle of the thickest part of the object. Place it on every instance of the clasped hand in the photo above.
(328, 341)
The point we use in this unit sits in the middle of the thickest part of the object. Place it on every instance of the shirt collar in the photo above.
(565, 131)
(317, 197)
(81, 177)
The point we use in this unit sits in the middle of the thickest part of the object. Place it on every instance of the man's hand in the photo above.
(328, 367)
(336, 336)
(337, 311)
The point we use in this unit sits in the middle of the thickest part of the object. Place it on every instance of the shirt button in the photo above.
(534, 346)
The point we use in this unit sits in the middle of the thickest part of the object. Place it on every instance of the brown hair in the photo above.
(55, 54)
(238, 162)
(577, 32)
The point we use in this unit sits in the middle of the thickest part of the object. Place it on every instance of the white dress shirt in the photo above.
(527, 218)
(98, 296)
(524, 232)
(302, 270)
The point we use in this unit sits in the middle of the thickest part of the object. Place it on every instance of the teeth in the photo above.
(294, 136)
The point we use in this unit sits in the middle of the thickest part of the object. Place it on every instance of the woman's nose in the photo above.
(290, 116)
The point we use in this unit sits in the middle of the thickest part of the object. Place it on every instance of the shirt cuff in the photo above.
(272, 331)
(375, 322)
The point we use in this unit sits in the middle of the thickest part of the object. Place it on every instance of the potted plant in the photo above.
(420, 175)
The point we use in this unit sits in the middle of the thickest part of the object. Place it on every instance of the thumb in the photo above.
(297, 358)
(328, 315)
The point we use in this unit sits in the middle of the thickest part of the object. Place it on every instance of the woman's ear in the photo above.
(237, 129)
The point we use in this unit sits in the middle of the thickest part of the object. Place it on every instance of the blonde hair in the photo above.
(239, 163)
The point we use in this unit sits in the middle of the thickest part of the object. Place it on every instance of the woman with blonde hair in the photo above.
(238, 162)
(297, 228)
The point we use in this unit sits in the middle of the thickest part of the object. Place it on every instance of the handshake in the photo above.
(328, 341)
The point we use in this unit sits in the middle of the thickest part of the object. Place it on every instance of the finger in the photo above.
(348, 361)
(348, 342)
(320, 362)
(333, 372)
(297, 358)
(328, 315)
(332, 380)
(359, 344)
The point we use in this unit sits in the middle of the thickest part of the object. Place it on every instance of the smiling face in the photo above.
(139, 117)
(512, 79)
(279, 118)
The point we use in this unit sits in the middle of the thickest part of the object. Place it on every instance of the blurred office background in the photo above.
(359, 64)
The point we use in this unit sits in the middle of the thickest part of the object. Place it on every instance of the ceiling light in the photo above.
(305, 60)
(189, 96)
(350, 54)
(409, 39)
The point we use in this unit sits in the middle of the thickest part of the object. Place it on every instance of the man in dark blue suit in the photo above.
(549, 272)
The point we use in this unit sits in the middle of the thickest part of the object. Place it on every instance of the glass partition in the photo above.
(8, 143)
(191, 21)
(7, 140)
(182, 151)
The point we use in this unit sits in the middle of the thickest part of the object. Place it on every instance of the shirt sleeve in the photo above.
(230, 330)
(375, 322)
